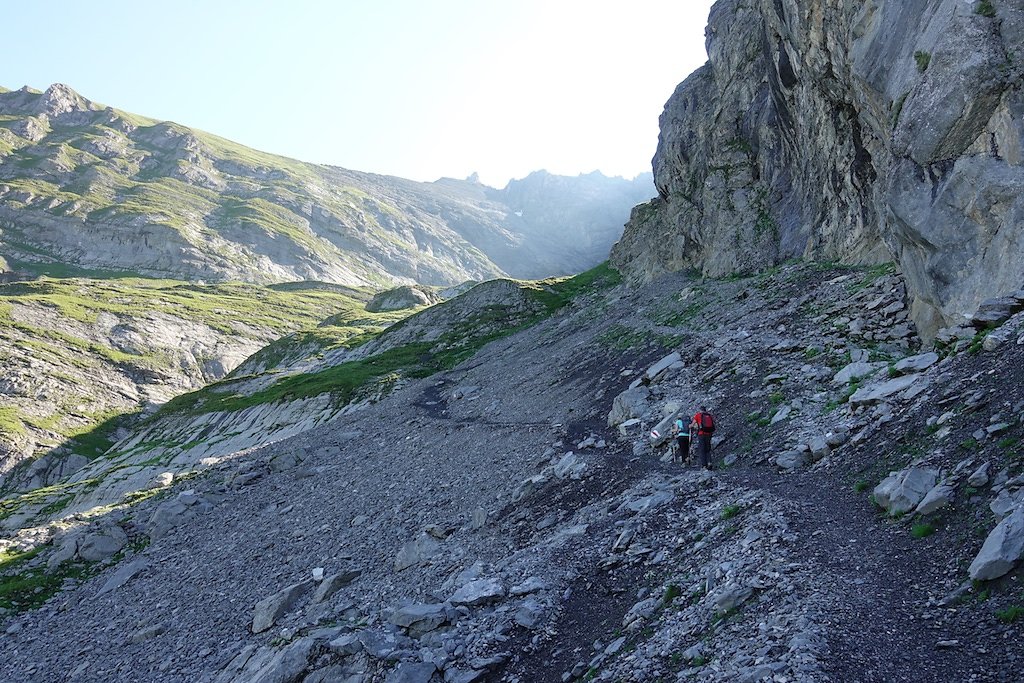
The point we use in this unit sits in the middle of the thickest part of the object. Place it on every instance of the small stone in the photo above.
(479, 592)
(791, 460)
(979, 477)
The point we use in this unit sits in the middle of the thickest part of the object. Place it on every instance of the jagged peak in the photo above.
(61, 99)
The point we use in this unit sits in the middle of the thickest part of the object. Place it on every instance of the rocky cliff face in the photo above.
(847, 131)
(99, 188)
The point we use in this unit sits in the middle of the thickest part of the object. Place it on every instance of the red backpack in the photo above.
(706, 423)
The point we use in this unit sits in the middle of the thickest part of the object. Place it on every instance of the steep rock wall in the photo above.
(846, 131)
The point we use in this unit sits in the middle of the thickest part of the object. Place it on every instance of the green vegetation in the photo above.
(922, 59)
(1007, 443)
(226, 307)
(986, 9)
(1010, 614)
(861, 485)
(897, 107)
(730, 511)
(969, 444)
(11, 425)
(672, 592)
(620, 338)
(872, 274)
(765, 223)
(30, 587)
(349, 380)
(922, 530)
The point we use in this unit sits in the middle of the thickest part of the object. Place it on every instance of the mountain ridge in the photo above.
(80, 182)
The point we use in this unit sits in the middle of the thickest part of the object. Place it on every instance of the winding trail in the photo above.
(879, 580)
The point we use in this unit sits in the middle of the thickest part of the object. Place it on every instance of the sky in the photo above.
(416, 89)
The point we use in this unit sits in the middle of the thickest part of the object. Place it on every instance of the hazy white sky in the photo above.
(409, 88)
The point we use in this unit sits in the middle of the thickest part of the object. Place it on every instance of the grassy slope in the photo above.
(260, 313)
(348, 380)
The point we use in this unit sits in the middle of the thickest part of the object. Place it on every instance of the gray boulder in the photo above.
(819, 448)
(409, 672)
(653, 373)
(939, 496)
(980, 476)
(569, 466)
(856, 370)
(918, 363)
(879, 392)
(530, 614)
(419, 550)
(630, 404)
(479, 592)
(333, 583)
(419, 619)
(1002, 549)
(101, 543)
(901, 491)
(1006, 502)
(995, 311)
(269, 610)
(269, 664)
(731, 596)
(123, 575)
(791, 460)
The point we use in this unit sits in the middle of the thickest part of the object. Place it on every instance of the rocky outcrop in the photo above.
(408, 296)
(854, 132)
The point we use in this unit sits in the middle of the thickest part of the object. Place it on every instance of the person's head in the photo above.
(703, 409)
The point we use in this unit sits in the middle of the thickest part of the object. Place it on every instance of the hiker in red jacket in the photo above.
(704, 422)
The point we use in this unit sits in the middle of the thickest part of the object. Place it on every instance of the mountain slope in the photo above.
(83, 356)
(95, 187)
(506, 519)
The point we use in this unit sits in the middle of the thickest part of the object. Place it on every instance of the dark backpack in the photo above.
(707, 423)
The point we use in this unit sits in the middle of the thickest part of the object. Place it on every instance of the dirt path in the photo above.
(880, 580)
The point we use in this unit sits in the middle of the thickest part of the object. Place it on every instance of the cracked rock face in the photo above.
(861, 132)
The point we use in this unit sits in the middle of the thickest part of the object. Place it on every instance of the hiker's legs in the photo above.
(705, 450)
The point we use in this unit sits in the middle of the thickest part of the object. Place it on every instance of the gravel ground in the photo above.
(649, 571)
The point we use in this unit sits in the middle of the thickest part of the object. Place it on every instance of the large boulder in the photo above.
(879, 392)
(902, 491)
(631, 403)
(419, 619)
(479, 592)
(101, 543)
(918, 363)
(856, 370)
(416, 551)
(938, 497)
(269, 610)
(1002, 549)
